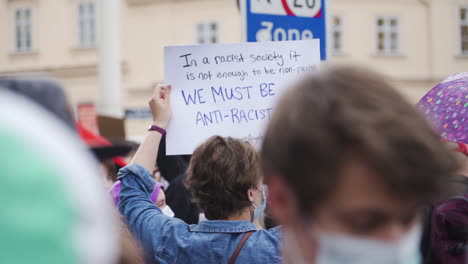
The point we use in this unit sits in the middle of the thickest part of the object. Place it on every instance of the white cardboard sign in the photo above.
(230, 89)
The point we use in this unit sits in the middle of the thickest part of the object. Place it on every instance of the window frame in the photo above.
(23, 24)
(206, 34)
(387, 31)
(341, 31)
(84, 39)
(459, 29)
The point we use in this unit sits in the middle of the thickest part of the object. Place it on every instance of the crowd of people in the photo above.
(348, 172)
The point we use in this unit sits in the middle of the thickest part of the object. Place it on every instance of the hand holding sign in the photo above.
(230, 89)
(160, 105)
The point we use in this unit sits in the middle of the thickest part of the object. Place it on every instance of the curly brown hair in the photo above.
(220, 174)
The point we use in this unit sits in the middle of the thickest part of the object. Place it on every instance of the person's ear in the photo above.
(280, 200)
(250, 194)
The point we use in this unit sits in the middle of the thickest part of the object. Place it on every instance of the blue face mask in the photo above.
(260, 210)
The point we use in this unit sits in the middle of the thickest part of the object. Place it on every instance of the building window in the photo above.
(207, 32)
(388, 36)
(463, 30)
(23, 32)
(337, 35)
(86, 25)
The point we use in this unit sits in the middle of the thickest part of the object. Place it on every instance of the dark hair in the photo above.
(170, 166)
(219, 175)
(111, 169)
(347, 112)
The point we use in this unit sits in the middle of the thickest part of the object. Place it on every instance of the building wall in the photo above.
(429, 42)
(446, 50)
(360, 36)
(146, 31)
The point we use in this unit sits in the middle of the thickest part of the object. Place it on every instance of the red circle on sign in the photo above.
(286, 8)
(289, 12)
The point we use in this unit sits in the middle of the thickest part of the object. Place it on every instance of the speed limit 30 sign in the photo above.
(278, 20)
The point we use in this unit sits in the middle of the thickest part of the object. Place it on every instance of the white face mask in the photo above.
(345, 249)
(260, 210)
(167, 211)
(164, 183)
(337, 249)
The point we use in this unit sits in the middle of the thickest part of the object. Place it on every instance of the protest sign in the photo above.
(230, 89)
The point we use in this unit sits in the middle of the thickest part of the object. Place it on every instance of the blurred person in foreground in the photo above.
(350, 165)
(69, 219)
(52, 212)
(225, 180)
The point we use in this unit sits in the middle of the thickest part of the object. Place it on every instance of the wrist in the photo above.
(160, 124)
(158, 129)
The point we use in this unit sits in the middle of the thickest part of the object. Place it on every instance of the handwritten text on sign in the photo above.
(230, 89)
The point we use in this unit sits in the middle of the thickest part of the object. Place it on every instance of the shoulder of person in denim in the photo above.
(170, 240)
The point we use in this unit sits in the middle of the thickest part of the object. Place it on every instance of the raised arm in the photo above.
(160, 107)
(144, 218)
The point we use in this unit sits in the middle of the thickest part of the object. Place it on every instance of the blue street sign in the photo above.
(278, 20)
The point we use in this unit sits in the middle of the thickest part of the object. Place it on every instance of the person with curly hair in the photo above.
(225, 180)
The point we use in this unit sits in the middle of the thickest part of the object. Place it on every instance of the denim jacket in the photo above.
(170, 240)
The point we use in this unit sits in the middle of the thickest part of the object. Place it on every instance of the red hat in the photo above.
(102, 148)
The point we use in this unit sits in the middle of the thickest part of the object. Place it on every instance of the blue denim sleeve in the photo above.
(144, 218)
